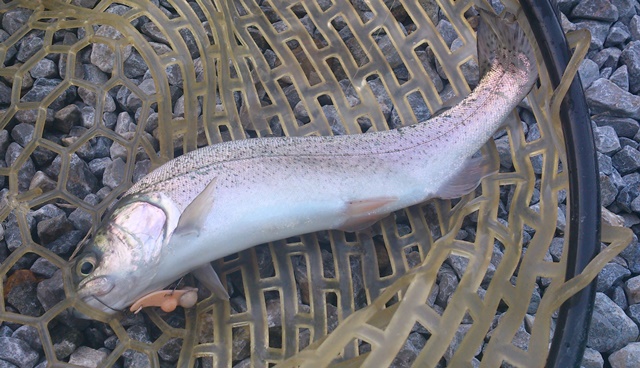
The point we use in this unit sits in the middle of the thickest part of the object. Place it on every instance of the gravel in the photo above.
(610, 75)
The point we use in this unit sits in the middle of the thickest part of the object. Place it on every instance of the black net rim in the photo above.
(573, 322)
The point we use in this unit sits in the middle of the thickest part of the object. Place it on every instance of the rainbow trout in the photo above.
(227, 197)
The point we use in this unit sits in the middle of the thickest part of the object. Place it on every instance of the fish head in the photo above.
(120, 262)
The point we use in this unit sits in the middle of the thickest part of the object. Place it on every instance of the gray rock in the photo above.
(52, 228)
(448, 283)
(42, 87)
(599, 31)
(618, 35)
(631, 254)
(624, 127)
(102, 55)
(610, 275)
(89, 4)
(630, 57)
(170, 352)
(627, 357)
(627, 194)
(634, 28)
(66, 118)
(589, 72)
(565, 6)
(139, 333)
(607, 58)
(624, 142)
(632, 289)
(151, 29)
(45, 68)
(12, 231)
(409, 351)
(621, 78)
(66, 242)
(141, 169)
(136, 359)
(88, 116)
(635, 205)
(634, 313)
(335, 122)
(124, 123)
(5, 331)
(604, 164)
(592, 359)
(470, 70)
(447, 31)
(114, 173)
(606, 72)
(94, 75)
(627, 160)
(81, 220)
(51, 291)
(596, 10)
(605, 96)
(174, 75)
(611, 329)
(4, 142)
(135, 66)
(90, 98)
(31, 116)
(27, 170)
(5, 94)
(134, 101)
(23, 298)
(86, 357)
(99, 165)
(15, 19)
(18, 352)
(10, 51)
(619, 297)
(109, 119)
(29, 334)
(606, 140)
(65, 340)
(44, 268)
(80, 181)
(22, 133)
(608, 190)
(29, 45)
(626, 9)
(178, 108)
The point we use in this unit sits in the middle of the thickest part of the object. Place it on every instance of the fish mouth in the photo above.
(99, 285)
(95, 303)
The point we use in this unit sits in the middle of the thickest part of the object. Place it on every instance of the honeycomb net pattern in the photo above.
(342, 299)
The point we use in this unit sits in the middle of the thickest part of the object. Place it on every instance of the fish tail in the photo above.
(502, 43)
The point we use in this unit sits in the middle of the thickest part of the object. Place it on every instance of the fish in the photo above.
(227, 197)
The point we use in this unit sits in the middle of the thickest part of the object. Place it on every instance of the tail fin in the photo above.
(502, 41)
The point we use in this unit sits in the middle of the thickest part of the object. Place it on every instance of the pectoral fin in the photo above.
(467, 179)
(193, 217)
(362, 213)
(209, 278)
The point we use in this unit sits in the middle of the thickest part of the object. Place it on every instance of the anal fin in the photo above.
(209, 278)
(363, 213)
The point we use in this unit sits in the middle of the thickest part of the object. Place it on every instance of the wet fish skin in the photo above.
(221, 199)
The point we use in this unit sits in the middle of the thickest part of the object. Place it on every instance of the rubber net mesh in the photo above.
(209, 71)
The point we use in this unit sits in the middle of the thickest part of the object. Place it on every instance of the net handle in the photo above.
(570, 338)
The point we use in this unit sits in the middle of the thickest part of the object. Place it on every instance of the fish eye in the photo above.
(86, 266)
